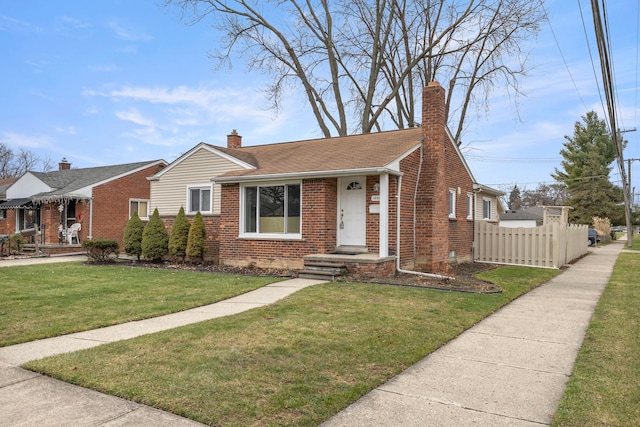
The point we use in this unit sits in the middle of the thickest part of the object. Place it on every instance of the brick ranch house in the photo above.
(400, 199)
(100, 199)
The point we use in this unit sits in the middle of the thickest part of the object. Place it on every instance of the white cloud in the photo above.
(69, 130)
(69, 23)
(26, 141)
(8, 23)
(129, 34)
(133, 115)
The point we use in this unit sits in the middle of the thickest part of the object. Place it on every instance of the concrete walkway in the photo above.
(29, 399)
(511, 369)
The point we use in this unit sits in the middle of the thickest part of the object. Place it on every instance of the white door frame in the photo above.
(355, 222)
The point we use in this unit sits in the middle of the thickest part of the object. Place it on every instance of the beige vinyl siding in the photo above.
(170, 191)
(478, 208)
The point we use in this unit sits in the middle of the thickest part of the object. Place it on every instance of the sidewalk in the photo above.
(511, 369)
(29, 399)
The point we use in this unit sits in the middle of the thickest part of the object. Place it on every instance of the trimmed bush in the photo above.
(133, 236)
(155, 239)
(179, 236)
(196, 247)
(16, 243)
(101, 250)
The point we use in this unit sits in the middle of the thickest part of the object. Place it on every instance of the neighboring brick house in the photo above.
(364, 198)
(100, 199)
(7, 216)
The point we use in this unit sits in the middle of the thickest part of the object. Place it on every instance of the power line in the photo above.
(493, 159)
(544, 10)
(593, 66)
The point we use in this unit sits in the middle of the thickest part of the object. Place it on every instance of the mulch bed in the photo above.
(459, 279)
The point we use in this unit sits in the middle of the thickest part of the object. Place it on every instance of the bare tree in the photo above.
(14, 165)
(6, 159)
(362, 63)
(555, 194)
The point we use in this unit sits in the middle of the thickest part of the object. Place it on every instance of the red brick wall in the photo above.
(8, 224)
(409, 167)
(373, 219)
(319, 198)
(111, 205)
(460, 228)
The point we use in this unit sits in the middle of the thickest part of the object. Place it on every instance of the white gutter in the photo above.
(398, 269)
(90, 236)
(306, 175)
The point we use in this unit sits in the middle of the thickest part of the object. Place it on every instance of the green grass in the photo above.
(48, 300)
(603, 389)
(293, 363)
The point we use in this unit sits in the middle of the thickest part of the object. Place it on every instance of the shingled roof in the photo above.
(328, 156)
(67, 182)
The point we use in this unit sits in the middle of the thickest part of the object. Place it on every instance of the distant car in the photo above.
(593, 237)
(618, 229)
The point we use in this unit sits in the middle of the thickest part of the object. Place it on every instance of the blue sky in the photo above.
(113, 81)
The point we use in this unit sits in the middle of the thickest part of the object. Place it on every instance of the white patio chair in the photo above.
(72, 233)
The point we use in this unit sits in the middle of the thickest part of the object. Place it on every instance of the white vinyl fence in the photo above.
(551, 245)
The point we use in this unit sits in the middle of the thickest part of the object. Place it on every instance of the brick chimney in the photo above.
(234, 140)
(64, 164)
(432, 202)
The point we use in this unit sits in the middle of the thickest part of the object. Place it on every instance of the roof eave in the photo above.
(487, 189)
(305, 175)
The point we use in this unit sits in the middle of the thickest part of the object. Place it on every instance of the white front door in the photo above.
(352, 212)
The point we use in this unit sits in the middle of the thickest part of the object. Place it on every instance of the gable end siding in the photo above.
(169, 192)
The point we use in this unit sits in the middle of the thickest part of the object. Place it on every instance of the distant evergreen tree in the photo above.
(588, 155)
(196, 247)
(179, 236)
(593, 195)
(133, 236)
(155, 239)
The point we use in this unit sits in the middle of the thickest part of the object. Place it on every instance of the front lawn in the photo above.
(296, 362)
(47, 300)
(603, 389)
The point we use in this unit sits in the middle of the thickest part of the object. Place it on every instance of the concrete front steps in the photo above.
(322, 270)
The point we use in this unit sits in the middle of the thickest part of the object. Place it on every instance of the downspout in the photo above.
(398, 205)
(90, 236)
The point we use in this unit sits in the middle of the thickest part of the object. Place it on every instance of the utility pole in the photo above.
(629, 196)
(631, 189)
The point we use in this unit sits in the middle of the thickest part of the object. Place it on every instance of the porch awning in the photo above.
(16, 203)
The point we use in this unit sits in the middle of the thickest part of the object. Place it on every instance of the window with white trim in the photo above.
(141, 206)
(199, 199)
(452, 203)
(486, 208)
(469, 206)
(271, 210)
